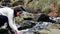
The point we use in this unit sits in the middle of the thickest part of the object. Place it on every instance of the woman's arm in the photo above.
(10, 20)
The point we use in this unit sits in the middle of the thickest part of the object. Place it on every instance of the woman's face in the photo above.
(18, 13)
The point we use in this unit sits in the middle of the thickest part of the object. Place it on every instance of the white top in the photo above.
(9, 13)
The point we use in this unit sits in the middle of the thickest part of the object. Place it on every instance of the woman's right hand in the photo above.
(18, 32)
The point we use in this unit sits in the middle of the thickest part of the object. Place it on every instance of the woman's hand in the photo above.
(18, 32)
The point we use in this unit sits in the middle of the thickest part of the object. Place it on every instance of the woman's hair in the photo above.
(18, 9)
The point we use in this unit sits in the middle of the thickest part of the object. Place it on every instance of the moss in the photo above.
(47, 10)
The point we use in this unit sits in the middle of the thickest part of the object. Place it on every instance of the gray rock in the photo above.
(40, 26)
(57, 19)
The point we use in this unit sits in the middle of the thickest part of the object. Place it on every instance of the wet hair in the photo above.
(45, 18)
(22, 8)
(18, 9)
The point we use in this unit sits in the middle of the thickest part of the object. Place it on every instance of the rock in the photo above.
(52, 31)
(57, 19)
